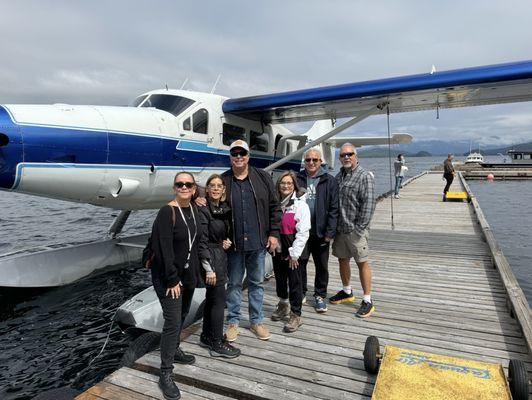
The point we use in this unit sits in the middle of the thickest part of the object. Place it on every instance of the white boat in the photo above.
(474, 158)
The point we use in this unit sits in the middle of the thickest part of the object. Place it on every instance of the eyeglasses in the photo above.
(188, 185)
(314, 160)
(350, 154)
(286, 184)
(216, 186)
(238, 153)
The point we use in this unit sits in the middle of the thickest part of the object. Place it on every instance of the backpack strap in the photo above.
(173, 213)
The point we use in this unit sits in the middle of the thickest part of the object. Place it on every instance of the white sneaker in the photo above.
(304, 301)
(397, 196)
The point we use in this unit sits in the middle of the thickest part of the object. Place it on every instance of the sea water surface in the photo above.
(49, 337)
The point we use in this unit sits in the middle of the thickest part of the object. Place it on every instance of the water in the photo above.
(47, 338)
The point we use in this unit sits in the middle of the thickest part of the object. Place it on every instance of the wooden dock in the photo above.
(439, 286)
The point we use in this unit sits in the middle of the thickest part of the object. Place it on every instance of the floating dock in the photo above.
(440, 284)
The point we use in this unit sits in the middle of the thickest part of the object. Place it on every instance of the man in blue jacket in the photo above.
(322, 199)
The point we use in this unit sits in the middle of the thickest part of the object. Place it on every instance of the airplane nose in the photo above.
(11, 150)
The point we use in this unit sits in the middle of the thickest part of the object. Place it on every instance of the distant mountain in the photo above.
(428, 148)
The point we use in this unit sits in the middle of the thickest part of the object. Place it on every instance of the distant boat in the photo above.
(474, 158)
(520, 156)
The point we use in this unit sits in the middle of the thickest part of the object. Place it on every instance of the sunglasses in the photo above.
(237, 153)
(188, 185)
(314, 160)
(351, 154)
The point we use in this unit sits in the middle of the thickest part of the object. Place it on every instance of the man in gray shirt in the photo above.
(357, 205)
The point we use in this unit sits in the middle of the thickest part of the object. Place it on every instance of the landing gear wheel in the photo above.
(145, 343)
(518, 380)
(372, 355)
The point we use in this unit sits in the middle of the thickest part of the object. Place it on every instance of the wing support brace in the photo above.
(360, 117)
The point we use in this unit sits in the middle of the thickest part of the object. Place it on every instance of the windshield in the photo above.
(167, 102)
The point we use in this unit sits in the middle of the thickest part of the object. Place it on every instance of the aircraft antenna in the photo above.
(216, 83)
(166, 85)
(184, 83)
(390, 161)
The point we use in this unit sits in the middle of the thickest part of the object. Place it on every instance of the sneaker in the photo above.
(281, 312)
(224, 349)
(231, 333)
(365, 309)
(320, 305)
(168, 386)
(181, 357)
(396, 196)
(342, 297)
(260, 331)
(205, 341)
(293, 323)
(304, 301)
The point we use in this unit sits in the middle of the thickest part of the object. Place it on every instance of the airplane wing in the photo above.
(493, 84)
(396, 138)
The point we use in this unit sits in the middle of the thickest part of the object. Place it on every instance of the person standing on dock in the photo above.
(448, 173)
(357, 205)
(176, 233)
(255, 226)
(400, 169)
(322, 199)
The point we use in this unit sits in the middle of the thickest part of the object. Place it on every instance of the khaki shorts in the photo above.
(351, 245)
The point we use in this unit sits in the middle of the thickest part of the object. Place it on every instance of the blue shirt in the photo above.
(246, 221)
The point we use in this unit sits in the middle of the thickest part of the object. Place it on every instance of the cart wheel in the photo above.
(518, 379)
(371, 355)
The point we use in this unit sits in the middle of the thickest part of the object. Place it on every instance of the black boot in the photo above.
(168, 386)
(181, 357)
(221, 348)
(205, 341)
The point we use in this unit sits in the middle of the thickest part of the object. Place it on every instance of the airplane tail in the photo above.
(320, 128)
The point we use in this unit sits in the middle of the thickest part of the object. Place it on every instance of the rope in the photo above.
(390, 162)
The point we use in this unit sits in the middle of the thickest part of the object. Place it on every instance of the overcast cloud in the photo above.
(108, 52)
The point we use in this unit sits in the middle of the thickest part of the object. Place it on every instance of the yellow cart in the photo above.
(407, 374)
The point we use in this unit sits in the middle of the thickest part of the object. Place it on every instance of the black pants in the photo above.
(449, 178)
(213, 313)
(174, 313)
(319, 249)
(288, 280)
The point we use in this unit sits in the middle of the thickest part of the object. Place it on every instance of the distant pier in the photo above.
(441, 284)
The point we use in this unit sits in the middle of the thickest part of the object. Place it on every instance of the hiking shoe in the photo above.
(320, 305)
(293, 323)
(260, 331)
(231, 333)
(205, 341)
(181, 357)
(365, 309)
(342, 297)
(281, 312)
(224, 349)
(168, 386)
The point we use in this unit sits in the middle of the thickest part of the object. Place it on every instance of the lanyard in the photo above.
(190, 240)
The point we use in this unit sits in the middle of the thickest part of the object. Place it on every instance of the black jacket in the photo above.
(215, 221)
(170, 249)
(326, 212)
(266, 200)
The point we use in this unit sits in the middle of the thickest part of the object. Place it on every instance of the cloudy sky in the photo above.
(108, 52)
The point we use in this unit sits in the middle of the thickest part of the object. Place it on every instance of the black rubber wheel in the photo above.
(518, 380)
(145, 343)
(371, 355)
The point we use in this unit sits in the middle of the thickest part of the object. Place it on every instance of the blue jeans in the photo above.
(252, 263)
(398, 181)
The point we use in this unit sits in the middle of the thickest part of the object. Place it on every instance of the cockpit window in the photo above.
(166, 102)
(138, 100)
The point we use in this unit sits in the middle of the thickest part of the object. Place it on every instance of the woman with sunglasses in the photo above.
(215, 220)
(175, 268)
(295, 227)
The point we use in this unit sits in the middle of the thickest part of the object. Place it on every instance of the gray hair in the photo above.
(315, 149)
(351, 145)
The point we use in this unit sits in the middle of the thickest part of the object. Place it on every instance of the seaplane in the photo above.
(124, 158)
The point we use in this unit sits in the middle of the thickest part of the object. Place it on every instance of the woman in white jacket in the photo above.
(295, 228)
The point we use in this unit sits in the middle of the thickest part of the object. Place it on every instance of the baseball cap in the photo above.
(239, 143)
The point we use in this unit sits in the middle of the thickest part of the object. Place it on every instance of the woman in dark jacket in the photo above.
(176, 234)
(215, 220)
